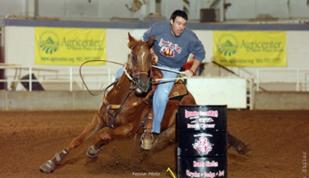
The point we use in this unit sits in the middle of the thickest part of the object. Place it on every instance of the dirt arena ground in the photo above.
(279, 143)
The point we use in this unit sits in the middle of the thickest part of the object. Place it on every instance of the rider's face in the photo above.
(178, 25)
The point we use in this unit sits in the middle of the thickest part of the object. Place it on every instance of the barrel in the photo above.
(201, 141)
(36, 85)
(2, 71)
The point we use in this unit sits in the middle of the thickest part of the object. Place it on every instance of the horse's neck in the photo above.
(120, 91)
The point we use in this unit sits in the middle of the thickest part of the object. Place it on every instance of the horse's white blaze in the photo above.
(143, 54)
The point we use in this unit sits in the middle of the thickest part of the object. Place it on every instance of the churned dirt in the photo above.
(279, 143)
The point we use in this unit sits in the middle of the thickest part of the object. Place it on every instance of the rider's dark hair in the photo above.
(179, 13)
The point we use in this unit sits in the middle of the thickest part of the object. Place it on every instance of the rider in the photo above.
(174, 42)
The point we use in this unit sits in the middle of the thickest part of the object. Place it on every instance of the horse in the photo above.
(126, 108)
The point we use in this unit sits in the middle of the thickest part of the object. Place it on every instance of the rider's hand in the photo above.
(154, 57)
(189, 73)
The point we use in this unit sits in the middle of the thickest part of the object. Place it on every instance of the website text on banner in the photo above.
(250, 49)
(69, 46)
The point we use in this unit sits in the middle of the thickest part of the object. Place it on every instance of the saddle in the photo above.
(179, 90)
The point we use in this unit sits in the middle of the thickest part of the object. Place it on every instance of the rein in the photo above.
(112, 120)
(181, 75)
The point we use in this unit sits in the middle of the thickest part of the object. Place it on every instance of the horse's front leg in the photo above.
(106, 135)
(50, 165)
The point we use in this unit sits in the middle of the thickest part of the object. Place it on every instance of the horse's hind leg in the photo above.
(50, 165)
(237, 144)
(166, 137)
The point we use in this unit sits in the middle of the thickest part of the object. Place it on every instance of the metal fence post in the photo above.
(30, 79)
(71, 78)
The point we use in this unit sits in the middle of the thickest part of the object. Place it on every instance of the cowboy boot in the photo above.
(147, 138)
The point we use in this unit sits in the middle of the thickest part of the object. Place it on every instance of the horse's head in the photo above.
(139, 64)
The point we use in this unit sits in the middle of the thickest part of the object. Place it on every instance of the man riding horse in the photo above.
(173, 44)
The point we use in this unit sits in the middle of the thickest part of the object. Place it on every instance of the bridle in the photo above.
(138, 70)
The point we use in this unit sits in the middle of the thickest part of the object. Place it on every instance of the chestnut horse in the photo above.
(126, 107)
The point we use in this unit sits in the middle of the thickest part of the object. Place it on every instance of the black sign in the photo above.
(202, 141)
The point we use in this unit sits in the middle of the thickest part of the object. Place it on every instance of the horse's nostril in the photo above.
(142, 85)
(139, 92)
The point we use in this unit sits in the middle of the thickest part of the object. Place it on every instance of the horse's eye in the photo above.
(133, 57)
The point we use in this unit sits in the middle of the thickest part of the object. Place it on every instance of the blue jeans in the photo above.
(160, 98)
(119, 72)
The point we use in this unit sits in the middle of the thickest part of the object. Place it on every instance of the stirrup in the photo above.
(147, 140)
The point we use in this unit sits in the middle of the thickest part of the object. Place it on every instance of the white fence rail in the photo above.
(56, 78)
(287, 79)
(97, 77)
(275, 79)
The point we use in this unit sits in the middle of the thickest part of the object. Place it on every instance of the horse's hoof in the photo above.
(242, 149)
(48, 167)
(92, 152)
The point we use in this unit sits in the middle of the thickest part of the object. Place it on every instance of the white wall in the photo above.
(105, 10)
(241, 9)
(19, 45)
(213, 91)
(168, 6)
(9, 7)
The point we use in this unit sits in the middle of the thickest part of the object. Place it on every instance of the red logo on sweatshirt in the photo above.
(168, 48)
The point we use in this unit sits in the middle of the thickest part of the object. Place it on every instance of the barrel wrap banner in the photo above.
(69, 46)
(201, 141)
(250, 48)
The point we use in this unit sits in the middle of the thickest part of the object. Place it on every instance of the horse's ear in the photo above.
(151, 41)
(132, 41)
